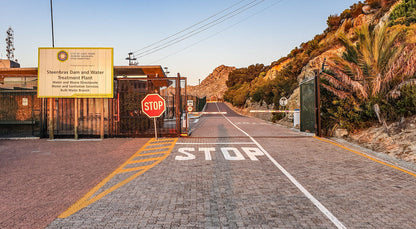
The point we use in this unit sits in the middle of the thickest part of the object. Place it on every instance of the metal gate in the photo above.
(132, 122)
(121, 116)
(19, 113)
(307, 106)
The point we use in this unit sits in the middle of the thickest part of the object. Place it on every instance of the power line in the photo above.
(199, 30)
(190, 27)
(215, 34)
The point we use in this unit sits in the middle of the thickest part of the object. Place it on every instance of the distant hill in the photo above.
(213, 85)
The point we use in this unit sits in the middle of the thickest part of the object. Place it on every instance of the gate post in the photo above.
(178, 104)
(307, 106)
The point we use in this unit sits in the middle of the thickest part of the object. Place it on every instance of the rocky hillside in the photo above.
(283, 77)
(263, 86)
(213, 85)
(368, 90)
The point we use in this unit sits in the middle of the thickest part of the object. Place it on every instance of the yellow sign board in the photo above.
(75, 73)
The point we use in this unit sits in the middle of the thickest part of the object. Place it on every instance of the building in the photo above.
(23, 114)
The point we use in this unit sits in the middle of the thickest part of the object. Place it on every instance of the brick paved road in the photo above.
(39, 179)
(240, 172)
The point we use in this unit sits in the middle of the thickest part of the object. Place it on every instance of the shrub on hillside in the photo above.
(333, 22)
(237, 95)
(404, 13)
(244, 75)
(406, 103)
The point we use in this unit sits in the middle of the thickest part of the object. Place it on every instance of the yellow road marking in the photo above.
(144, 160)
(164, 140)
(151, 154)
(88, 198)
(156, 148)
(133, 169)
(366, 156)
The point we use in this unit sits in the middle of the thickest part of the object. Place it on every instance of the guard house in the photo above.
(22, 114)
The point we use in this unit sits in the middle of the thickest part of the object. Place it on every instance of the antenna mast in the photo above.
(10, 44)
(132, 59)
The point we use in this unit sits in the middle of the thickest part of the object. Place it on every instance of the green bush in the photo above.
(257, 96)
(406, 103)
(245, 75)
(404, 13)
(345, 114)
(238, 94)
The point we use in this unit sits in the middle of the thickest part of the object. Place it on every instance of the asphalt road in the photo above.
(241, 172)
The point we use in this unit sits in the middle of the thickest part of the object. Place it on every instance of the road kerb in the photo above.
(366, 156)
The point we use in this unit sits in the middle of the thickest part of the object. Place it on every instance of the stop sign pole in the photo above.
(153, 105)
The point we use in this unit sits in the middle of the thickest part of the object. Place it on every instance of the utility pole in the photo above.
(318, 100)
(131, 59)
(53, 37)
(51, 100)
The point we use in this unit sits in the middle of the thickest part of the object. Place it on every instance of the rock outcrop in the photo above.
(272, 73)
(214, 85)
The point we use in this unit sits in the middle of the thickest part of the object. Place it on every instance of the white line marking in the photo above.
(75, 140)
(318, 204)
(216, 143)
(202, 113)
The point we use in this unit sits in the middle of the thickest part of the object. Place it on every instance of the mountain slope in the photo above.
(213, 85)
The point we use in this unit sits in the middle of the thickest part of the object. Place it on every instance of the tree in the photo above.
(372, 68)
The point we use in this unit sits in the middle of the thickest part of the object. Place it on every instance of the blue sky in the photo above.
(261, 34)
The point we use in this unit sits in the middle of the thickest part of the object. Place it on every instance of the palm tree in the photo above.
(375, 66)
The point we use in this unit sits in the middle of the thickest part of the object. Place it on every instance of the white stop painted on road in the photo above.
(229, 153)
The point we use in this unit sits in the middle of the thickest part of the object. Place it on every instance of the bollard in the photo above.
(296, 118)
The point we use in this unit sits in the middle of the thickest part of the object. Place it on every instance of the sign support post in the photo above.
(154, 120)
(51, 107)
(102, 120)
(153, 105)
(76, 119)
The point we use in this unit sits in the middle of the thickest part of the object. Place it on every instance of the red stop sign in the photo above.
(153, 105)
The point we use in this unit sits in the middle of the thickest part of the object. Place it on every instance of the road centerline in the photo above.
(215, 143)
(316, 202)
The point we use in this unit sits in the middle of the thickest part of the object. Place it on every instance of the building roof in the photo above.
(150, 71)
(154, 71)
